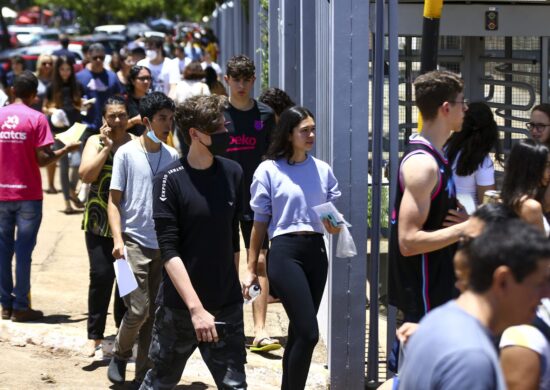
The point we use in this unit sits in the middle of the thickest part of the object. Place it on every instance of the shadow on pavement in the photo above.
(60, 319)
(95, 365)
(192, 386)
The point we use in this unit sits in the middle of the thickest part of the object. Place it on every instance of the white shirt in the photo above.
(483, 176)
(163, 74)
(187, 88)
(214, 66)
(529, 337)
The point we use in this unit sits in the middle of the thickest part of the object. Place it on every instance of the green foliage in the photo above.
(384, 205)
(264, 36)
(92, 13)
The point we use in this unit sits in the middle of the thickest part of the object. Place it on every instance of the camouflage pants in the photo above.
(174, 341)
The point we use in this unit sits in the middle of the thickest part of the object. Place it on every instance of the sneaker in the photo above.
(6, 313)
(26, 315)
(117, 371)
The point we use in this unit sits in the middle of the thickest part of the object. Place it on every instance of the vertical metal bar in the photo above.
(273, 22)
(408, 89)
(544, 41)
(376, 191)
(236, 30)
(323, 47)
(225, 40)
(393, 45)
(349, 75)
(508, 53)
(308, 74)
(290, 45)
(256, 47)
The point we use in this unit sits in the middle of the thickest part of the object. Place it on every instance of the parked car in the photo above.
(111, 29)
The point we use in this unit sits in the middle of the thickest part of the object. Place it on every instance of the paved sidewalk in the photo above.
(59, 288)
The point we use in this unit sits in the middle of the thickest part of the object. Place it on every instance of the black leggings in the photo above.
(297, 270)
(102, 277)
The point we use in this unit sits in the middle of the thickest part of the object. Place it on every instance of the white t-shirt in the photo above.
(181, 64)
(214, 66)
(133, 172)
(163, 74)
(529, 337)
(483, 176)
(187, 88)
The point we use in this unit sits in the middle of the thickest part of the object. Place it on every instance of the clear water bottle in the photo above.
(253, 291)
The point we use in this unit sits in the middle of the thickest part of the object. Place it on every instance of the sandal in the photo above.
(78, 204)
(70, 210)
(265, 344)
(51, 191)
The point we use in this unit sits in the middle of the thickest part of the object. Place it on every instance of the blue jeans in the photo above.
(26, 215)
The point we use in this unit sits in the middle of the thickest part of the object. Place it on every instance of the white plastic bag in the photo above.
(345, 246)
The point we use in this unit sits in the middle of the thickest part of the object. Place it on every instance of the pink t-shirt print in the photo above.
(22, 130)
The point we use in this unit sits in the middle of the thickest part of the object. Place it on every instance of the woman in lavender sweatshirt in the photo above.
(285, 188)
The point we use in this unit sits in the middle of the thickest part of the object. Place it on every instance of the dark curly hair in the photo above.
(479, 135)
(277, 99)
(240, 67)
(204, 113)
(193, 71)
(132, 75)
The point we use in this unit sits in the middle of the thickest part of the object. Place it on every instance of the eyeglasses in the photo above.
(538, 126)
(47, 63)
(143, 78)
(464, 102)
(98, 58)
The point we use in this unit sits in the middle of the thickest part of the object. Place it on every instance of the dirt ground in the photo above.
(47, 354)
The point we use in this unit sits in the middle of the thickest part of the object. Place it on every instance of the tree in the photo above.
(96, 12)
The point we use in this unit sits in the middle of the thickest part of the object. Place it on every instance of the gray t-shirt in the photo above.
(451, 350)
(133, 173)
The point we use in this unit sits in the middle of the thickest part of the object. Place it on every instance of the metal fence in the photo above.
(346, 62)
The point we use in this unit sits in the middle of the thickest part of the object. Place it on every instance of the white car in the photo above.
(111, 29)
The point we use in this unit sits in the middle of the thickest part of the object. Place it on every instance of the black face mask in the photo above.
(219, 144)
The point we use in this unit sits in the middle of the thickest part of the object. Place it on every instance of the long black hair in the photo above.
(479, 135)
(281, 146)
(58, 83)
(132, 75)
(524, 172)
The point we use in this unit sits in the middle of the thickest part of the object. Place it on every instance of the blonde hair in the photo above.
(40, 60)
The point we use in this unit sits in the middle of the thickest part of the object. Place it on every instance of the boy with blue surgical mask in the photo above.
(130, 212)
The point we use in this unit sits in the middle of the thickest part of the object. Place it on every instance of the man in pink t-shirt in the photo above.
(25, 145)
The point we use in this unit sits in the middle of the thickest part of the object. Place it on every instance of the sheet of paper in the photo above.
(124, 276)
(468, 202)
(72, 134)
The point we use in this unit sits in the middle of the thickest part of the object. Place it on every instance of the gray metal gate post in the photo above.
(349, 126)
(376, 191)
(289, 76)
(308, 72)
(393, 134)
(544, 42)
(273, 25)
(256, 49)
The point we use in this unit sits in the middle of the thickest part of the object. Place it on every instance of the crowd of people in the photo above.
(174, 170)
(469, 285)
(167, 165)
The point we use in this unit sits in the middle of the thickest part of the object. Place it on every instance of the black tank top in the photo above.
(422, 282)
